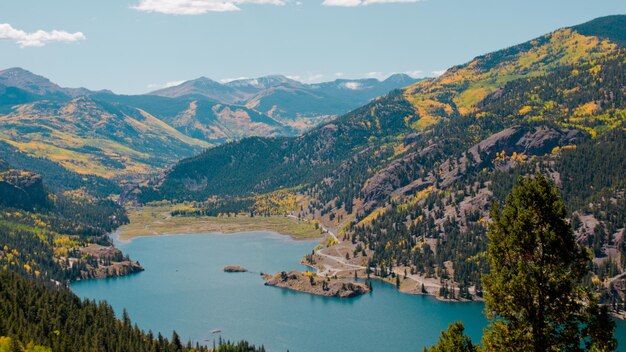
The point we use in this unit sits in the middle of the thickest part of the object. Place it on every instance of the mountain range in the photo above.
(410, 176)
(115, 136)
(286, 99)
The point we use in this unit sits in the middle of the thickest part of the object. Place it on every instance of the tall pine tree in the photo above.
(533, 294)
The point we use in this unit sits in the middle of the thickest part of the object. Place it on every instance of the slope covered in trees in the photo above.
(53, 318)
(388, 130)
(534, 297)
(48, 235)
(49, 239)
(410, 175)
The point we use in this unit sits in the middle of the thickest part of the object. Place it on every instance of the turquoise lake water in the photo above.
(184, 288)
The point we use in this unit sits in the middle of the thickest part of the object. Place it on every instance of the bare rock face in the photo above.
(310, 283)
(531, 140)
(235, 269)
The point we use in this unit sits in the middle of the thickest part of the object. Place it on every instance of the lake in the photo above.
(184, 288)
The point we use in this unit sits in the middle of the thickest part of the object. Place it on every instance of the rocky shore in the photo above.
(310, 283)
(109, 262)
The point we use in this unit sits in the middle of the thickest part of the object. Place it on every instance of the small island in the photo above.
(235, 269)
(309, 282)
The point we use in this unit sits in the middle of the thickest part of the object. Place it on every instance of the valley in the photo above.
(406, 182)
(349, 209)
(243, 308)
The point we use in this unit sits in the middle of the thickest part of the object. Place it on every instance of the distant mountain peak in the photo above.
(38, 85)
(400, 78)
(15, 70)
(264, 82)
(28, 81)
(201, 81)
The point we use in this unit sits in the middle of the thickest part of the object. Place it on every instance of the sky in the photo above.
(136, 46)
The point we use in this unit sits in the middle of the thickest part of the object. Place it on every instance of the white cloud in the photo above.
(310, 78)
(230, 79)
(352, 85)
(197, 7)
(37, 38)
(355, 3)
(165, 85)
(375, 74)
(415, 73)
(438, 73)
(314, 78)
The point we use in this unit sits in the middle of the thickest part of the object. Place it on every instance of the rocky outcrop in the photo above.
(530, 140)
(114, 269)
(320, 286)
(108, 261)
(235, 269)
(22, 189)
(378, 188)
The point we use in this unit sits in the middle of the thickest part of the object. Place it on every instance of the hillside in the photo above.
(51, 237)
(410, 176)
(203, 118)
(121, 137)
(92, 137)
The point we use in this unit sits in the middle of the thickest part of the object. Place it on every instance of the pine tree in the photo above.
(453, 340)
(533, 294)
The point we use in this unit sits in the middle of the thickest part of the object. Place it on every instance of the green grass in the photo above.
(156, 220)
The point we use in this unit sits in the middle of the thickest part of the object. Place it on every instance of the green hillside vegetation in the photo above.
(125, 138)
(43, 234)
(533, 294)
(58, 178)
(411, 175)
(45, 242)
(92, 137)
(609, 27)
(36, 317)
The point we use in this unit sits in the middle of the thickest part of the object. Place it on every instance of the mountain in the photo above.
(114, 136)
(203, 118)
(201, 87)
(38, 85)
(410, 176)
(254, 85)
(94, 137)
(286, 99)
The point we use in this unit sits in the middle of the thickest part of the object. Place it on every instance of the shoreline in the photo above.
(212, 233)
(157, 221)
(329, 264)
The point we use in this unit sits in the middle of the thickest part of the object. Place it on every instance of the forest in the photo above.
(42, 233)
(568, 123)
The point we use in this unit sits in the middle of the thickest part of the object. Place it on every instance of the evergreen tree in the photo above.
(453, 340)
(533, 294)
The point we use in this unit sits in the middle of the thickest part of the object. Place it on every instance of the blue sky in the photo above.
(134, 46)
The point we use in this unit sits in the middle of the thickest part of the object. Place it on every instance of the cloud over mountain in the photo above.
(37, 38)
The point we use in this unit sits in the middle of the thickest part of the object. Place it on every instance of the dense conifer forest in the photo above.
(43, 234)
(412, 183)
